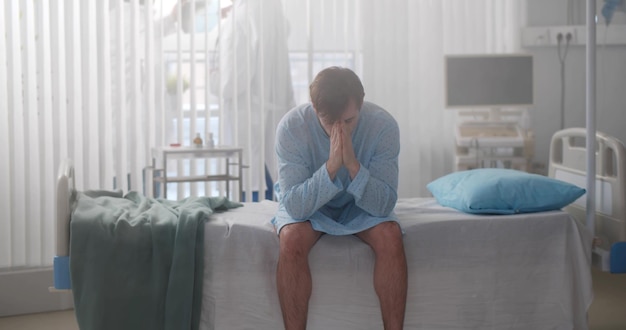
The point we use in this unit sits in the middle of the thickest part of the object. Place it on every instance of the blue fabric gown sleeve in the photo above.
(302, 194)
(375, 189)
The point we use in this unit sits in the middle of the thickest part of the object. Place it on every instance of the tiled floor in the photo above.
(607, 312)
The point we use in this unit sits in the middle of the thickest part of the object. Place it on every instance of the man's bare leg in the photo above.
(293, 276)
(390, 271)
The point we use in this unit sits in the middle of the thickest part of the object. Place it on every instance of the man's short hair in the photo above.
(332, 89)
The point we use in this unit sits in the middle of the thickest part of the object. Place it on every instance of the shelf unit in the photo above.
(503, 145)
(231, 155)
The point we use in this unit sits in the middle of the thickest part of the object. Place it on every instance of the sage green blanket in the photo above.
(137, 262)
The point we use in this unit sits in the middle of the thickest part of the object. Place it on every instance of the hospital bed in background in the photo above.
(567, 162)
(466, 271)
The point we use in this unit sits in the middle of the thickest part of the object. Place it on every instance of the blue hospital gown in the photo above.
(343, 206)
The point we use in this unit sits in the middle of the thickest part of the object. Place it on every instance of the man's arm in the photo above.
(335, 157)
(348, 156)
(302, 194)
(375, 188)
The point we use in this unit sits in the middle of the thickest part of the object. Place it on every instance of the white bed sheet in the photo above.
(527, 271)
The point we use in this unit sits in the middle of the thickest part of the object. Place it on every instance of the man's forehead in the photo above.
(351, 111)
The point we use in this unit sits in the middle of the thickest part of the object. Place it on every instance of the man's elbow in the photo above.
(388, 207)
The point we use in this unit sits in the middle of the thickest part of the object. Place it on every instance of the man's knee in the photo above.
(296, 240)
(386, 238)
(390, 228)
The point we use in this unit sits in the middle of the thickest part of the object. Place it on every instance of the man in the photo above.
(338, 174)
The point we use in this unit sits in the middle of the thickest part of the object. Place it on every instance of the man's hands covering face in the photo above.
(341, 151)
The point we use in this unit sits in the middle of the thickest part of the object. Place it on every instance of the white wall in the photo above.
(611, 78)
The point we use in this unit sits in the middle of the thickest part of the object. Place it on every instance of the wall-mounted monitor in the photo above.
(488, 81)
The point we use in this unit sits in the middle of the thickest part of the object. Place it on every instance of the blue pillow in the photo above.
(502, 191)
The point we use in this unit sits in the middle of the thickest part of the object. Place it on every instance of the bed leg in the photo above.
(61, 273)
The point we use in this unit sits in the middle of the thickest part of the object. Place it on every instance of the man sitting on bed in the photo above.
(338, 174)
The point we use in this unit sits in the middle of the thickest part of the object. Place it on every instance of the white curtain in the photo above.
(102, 82)
(74, 84)
(404, 43)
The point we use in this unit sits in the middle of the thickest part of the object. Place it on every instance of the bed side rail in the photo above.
(568, 163)
(66, 189)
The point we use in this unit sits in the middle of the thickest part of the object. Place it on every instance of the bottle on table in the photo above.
(197, 141)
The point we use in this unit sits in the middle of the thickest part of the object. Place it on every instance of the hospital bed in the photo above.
(466, 271)
(568, 157)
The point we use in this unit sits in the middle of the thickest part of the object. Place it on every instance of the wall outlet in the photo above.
(546, 36)
(563, 32)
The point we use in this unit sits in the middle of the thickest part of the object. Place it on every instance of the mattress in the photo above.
(525, 271)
